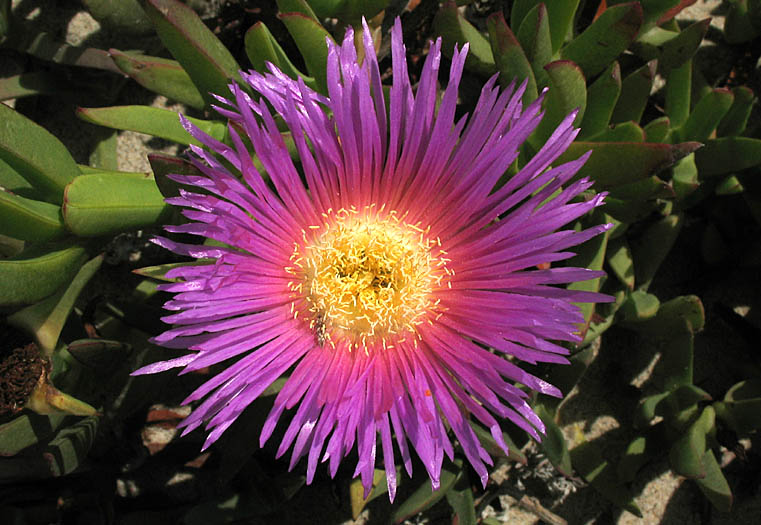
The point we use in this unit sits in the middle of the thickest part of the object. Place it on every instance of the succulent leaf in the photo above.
(38, 271)
(714, 485)
(651, 248)
(310, 38)
(194, 46)
(509, 58)
(162, 123)
(707, 114)
(727, 155)
(602, 96)
(678, 94)
(641, 159)
(424, 498)
(45, 319)
(568, 92)
(605, 39)
(686, 454)
(671, 48)
(534, 37)
(454, 29)
(107, 203)
(261, 47)
(35, 154)
(736, 119)
(588, 461)
(160, 75)
(123, 15)
(29, 220)
(635, 91)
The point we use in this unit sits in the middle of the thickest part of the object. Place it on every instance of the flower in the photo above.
(386, 270)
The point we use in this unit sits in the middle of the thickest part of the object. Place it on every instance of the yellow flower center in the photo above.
(367, 277)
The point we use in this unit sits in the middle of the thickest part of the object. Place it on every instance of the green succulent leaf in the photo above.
(644, 189)
(657, 130)
(714, 485)
(738, 27)
(688, 307)
(685, 180)
(162, 123)
(730, 185)
(623, 132)
(686, 454)
(671, 48)
(158, 272)
(261, 47)
(454, 29)
(635, 91)
(635, 456)
(553, 444)
(27, 430)
(357, 492)
(568, 92)
(27, 38)
(741, 407)
(560, 17)
(678, 94)
(5, 9)
(101, 355)
(642, 160)
(727, 155)
(29, 84)
(460, 498)
(676, 364)
(160, 75)
(509, 58)
(602, 96)
(164, 165)
(106, 203)
(588, 461)
(644, 202)
(707, 115)
(45, 319)
(348, 10)
(205, 59)
(590, 255)
(104, 156)
(68, 449)
(38, 272)
(651, 248)
(565, 378)
(646, 409)
(35, 154)
(660, 11)
(534, 37)
(301, 6)
(639, 306)
(28, 219)
(736, 119)
(491, 446)
(619, 258)
(605, 39)
(126, 16)
(424, 498)
(310, 38)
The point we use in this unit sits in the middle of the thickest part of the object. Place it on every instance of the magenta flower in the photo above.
(385, 271)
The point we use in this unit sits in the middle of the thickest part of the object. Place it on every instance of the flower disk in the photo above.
(367, 278)
(388, 263)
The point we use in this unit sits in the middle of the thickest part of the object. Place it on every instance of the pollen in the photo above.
(367, 278)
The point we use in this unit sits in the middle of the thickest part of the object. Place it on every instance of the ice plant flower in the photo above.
(385, 270)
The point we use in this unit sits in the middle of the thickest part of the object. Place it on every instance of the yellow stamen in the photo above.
(367, 276)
